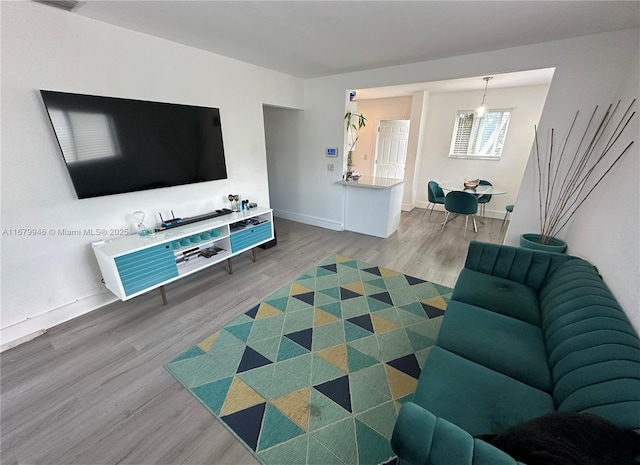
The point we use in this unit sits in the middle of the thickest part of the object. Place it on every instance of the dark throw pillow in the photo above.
(568, 439)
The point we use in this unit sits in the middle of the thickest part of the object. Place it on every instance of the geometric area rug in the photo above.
(316, 373)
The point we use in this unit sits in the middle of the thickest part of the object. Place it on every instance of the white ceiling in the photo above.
(319, 38)
(516, 79)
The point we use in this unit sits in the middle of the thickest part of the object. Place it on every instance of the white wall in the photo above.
(606, 229)
(419, 111)
(526, 104)
(587, 69)
(49, 279)
(311, 195)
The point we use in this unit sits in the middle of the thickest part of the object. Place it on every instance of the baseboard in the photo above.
(498, 215)
(407, 207)
(21, 340)
(26, 330)
(308, 219)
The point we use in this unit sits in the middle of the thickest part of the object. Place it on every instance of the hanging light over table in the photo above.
(481, 110)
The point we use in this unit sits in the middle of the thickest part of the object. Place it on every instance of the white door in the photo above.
(391, 148)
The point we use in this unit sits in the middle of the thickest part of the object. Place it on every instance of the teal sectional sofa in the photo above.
(526, 333)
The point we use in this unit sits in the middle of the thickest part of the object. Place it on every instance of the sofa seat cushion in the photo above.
(497, 294)
(476, 398)
(504, 344)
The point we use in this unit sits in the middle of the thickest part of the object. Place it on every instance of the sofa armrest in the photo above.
(420, 438)
(524, 266)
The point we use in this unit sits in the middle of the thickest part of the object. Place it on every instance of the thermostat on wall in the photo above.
(332, 151)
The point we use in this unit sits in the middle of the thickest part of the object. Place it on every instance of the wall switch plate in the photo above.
(331, 167)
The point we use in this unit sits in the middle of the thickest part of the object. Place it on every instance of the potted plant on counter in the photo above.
(354, 123)
(569, 172)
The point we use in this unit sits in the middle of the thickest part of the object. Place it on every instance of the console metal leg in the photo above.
(164, 296)
(253, 254)
(229, 263)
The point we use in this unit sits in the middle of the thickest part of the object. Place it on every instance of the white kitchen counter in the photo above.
(373, 205)
(373, 182)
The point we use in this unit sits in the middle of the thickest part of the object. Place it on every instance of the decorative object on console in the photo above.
(569, 172)
(142, 229)
(234, 198)
(139, 216)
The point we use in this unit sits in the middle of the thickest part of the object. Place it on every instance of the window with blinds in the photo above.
(479, 137)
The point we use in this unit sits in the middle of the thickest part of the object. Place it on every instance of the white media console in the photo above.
(133, 265)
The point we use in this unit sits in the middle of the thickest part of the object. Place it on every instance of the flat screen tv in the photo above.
(114, 145)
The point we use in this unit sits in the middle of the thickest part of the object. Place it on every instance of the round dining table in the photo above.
(480, 190)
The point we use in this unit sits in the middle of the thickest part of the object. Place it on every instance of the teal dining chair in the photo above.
(435, 194)
(486, 198)
(461, 203)
(509, 209)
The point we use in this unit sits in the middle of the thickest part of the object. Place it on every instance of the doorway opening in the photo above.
(431, 108)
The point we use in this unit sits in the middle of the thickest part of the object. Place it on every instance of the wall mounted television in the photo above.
(114, 145)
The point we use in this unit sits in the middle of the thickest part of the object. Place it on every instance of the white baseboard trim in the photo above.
(498, 215)
(308, 219)
(21, 340)
(407, 207)
(26, 330)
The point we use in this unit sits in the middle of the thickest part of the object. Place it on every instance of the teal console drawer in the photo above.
(145, 268)
(250, 236)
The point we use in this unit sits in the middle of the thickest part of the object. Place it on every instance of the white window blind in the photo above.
(479, 137)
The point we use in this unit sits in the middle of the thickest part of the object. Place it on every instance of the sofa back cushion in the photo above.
(498, 295)
(524, 266)
(594, 352)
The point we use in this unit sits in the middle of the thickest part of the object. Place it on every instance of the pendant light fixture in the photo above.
(480, 111)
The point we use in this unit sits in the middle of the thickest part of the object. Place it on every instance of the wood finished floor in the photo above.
(94, 390)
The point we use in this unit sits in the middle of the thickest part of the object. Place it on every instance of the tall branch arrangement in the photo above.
(354, 122)
(568, 174)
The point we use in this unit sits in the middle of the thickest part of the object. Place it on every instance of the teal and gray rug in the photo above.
(316, 373)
